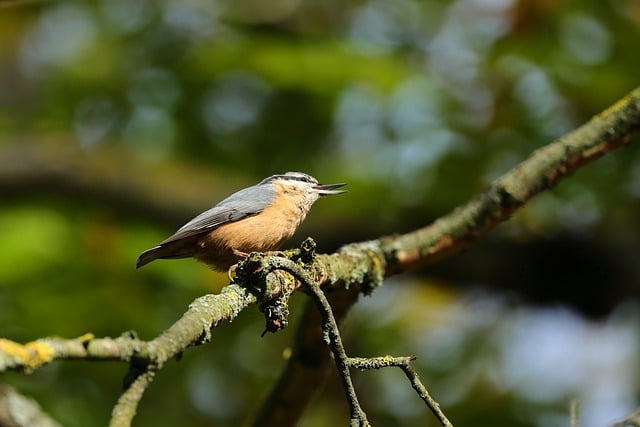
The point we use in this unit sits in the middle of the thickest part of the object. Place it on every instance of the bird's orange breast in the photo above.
(265, 231)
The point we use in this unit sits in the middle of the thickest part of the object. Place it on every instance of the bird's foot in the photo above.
(240, 253)
(231, 272)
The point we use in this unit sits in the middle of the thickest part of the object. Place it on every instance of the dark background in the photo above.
(121, 120)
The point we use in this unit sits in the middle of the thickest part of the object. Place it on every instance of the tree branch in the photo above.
(633, 420)
(127, 405)
(543, 170)
(193, 328)
(449, 234)
(358, 267)
(331, 335)
(145, 357)
(306, 368)
(17, 410)
(403, 363)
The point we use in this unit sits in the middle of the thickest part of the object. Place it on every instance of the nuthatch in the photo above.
(259, 218)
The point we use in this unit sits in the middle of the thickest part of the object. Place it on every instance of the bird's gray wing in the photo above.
(242, 204)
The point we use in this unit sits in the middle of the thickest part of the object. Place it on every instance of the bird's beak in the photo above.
(329, 189)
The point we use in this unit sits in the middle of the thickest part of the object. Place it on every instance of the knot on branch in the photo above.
(307, 251)
(276, 314)
(272, 278)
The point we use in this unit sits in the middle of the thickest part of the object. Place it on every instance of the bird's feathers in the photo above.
(239, 205)
(242, 204)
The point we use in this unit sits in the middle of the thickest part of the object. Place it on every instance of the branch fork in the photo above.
(297, 271)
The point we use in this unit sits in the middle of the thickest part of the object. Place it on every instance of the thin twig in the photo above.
(358, 416)
(403, 363)
(633, 420)
(332, 335)
(307, 367)
(343, 362)
(424, 394)
(17, 410)
(126, 407)
(574, 412)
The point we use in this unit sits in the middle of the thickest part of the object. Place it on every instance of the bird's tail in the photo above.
(163, 251)
(147, 256)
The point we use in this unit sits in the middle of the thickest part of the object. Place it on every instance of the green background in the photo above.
(120, 121)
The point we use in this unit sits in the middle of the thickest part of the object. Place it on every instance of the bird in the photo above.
(259, 218)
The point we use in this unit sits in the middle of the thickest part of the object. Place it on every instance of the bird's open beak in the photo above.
(329, 189)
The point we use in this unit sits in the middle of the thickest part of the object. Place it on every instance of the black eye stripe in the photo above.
(299, 178)
(292, 176)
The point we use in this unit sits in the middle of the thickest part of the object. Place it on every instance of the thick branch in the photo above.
(544, 169)
(146, 357)
(193, 328)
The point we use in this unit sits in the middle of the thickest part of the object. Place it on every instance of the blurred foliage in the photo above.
(152, 111)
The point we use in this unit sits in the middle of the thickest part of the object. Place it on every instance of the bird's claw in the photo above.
(231, 272)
